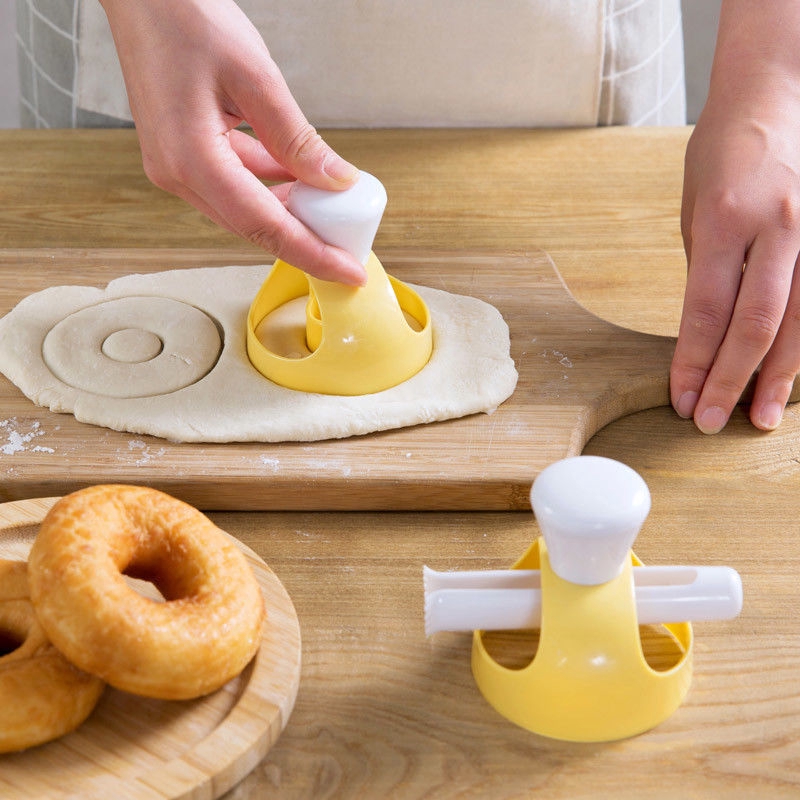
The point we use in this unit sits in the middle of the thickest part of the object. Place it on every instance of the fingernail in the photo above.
(360, 278)
(712, 420)
(686, 403)
(769, 417)
(352, 274)
(340, 170)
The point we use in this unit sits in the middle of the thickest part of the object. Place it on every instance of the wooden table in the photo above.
(382, 711)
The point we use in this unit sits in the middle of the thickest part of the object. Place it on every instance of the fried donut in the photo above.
(204, 632)
(42, 695)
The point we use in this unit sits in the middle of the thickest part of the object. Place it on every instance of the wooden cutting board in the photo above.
(577, 373)
(144, 749)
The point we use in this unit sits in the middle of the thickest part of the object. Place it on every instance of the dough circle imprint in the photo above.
(42, 695)
(203, 634)
(85, 351)
(133, 347)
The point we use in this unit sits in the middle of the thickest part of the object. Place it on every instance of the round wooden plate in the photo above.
(142, 749)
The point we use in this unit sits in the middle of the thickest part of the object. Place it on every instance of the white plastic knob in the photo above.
(590, 510)
(348, 219)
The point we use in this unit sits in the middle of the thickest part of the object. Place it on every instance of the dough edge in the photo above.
(470, 371)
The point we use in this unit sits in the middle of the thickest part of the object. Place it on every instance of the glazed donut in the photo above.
(204, 632)
(42, 695)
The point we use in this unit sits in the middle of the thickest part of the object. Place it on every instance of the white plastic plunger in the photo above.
(358, 340)
(492, 600)
(590, 510)
(348, 219)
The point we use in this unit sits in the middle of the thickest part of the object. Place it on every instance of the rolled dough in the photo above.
(228, 400)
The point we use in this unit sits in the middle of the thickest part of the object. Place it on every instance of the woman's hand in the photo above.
(741, 224)
(194, 70)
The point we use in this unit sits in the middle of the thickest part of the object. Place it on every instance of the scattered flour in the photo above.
(563, 359)
(18, 438)
(147, 454)
(327, 466)
(273, 463)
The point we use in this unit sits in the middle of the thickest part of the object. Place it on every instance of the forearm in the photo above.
(194, 71)
(757, 56)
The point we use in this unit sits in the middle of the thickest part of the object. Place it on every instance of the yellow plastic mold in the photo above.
(360, 340)
(589, 680)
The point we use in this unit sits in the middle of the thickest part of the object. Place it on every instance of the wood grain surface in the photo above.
(144, 749)
(576, 374)
(384, 712)
(604, 203)
(381, 710)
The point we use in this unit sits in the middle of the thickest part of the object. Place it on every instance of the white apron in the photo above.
(438, 62)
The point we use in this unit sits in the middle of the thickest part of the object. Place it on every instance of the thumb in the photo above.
(313, 161)
(293, 141)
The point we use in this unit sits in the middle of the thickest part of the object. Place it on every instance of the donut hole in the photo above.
(10, 641)
(163, 574)
(145, 588)
(16, 621)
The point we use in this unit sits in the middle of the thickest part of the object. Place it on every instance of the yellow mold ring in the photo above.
(359, 338)
(589, 680)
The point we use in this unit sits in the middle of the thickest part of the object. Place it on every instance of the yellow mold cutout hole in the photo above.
(589, 680)
(318, 336)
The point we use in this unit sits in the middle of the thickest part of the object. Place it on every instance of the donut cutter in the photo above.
(587, 592)
(357, 340)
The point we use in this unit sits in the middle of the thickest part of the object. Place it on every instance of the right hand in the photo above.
(194, 70)
(741, 224)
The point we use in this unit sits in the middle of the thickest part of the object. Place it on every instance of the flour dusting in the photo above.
(18, 437)
(146, 453)
(562, 358)
(273, 463)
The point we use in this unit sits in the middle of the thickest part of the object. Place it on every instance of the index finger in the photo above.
(757, 317)
(712, 284)
(222, 187)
